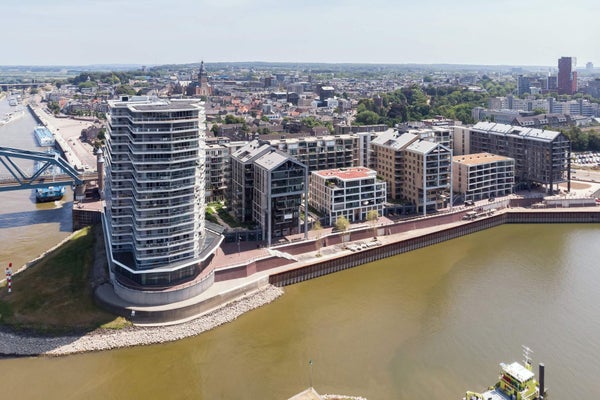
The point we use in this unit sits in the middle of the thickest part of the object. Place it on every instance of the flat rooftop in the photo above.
(479, 158)
(347, 173)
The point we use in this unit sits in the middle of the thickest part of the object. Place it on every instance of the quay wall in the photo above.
(35, 115)
(329, 266)
(150, 315)
(85, 217)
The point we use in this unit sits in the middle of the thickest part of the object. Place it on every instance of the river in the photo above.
(429, 324)
(27, 229)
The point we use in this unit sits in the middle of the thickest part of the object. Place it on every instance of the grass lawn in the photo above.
(55, 294)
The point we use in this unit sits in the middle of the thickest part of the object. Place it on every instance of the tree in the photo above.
(373, 217)
(126, 90)
(367, 118)
(318, 230)
(342, 224)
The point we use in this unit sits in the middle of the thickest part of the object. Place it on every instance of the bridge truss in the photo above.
(39, 178)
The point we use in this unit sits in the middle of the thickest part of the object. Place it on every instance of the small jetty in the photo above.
(311, 394)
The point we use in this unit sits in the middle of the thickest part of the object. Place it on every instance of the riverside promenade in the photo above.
(240, 271)
(228, 299)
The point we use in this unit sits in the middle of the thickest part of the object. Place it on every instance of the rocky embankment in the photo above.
(21, 345)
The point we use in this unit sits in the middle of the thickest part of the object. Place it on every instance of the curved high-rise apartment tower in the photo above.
(158, 245)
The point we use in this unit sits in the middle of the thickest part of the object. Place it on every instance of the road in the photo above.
(70, 132)
(585, 175)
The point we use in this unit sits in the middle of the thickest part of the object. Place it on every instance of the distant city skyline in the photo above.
(511, 32)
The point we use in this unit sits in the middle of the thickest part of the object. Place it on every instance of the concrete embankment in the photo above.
(21, 345)
(392, 247)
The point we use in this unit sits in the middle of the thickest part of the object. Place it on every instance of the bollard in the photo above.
(9, 277)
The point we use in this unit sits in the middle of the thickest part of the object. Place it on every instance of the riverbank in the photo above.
(12, 344)
(305, 267)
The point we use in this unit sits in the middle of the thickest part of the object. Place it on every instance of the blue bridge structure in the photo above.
(19, 178)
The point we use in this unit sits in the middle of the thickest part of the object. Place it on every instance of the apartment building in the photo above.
(482, 175)
(388, 159)
(155, 203)
(541, 156)
(427, 175)
(347, 192)
(218, 171)
(409, 162)
(267, 188)
(242, 179)
(280, 188)
(327, 152)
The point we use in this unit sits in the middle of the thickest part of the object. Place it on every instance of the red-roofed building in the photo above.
(348, 192)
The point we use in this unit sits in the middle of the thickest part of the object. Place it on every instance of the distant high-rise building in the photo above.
(523, 84)
(552, 83)
(567, 77)
(589, 66)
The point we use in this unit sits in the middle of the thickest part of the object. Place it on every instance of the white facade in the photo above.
(155, 200)
(347, 192)
(482, 175)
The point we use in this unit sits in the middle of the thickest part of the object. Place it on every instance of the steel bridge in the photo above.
(40, 177)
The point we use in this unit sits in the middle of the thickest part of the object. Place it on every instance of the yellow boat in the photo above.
(516, 382)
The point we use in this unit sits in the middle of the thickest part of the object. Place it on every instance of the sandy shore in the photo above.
(21, 345)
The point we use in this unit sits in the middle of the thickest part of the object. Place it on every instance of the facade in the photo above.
(427, 177)
(461, 140)
(482, 175)
(155, 203)
(242, 179)
(280, 188)
(267, 188)
(567, 77)
(523, 84)
(544, 120)
(347, 192)
(200, 87)
(388, 159)
(327, 152)
(541, 156)
(218, 171)
(416, 168)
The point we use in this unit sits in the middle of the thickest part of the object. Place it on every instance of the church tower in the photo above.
(203, 88)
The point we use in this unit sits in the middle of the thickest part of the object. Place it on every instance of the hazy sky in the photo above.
(513, 32)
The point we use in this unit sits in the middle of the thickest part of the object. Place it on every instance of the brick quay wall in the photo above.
(509, 216)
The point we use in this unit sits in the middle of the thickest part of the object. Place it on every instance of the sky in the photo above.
(150, 32)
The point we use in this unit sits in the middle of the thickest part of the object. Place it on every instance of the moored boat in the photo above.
(44, 136)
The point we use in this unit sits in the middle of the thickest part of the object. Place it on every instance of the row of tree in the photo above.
(415, 103)
(588, 140)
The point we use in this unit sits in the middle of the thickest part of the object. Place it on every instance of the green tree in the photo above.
(342, 224)
(125, 90)
(318, 231)
(366, 118)
(372, 218)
